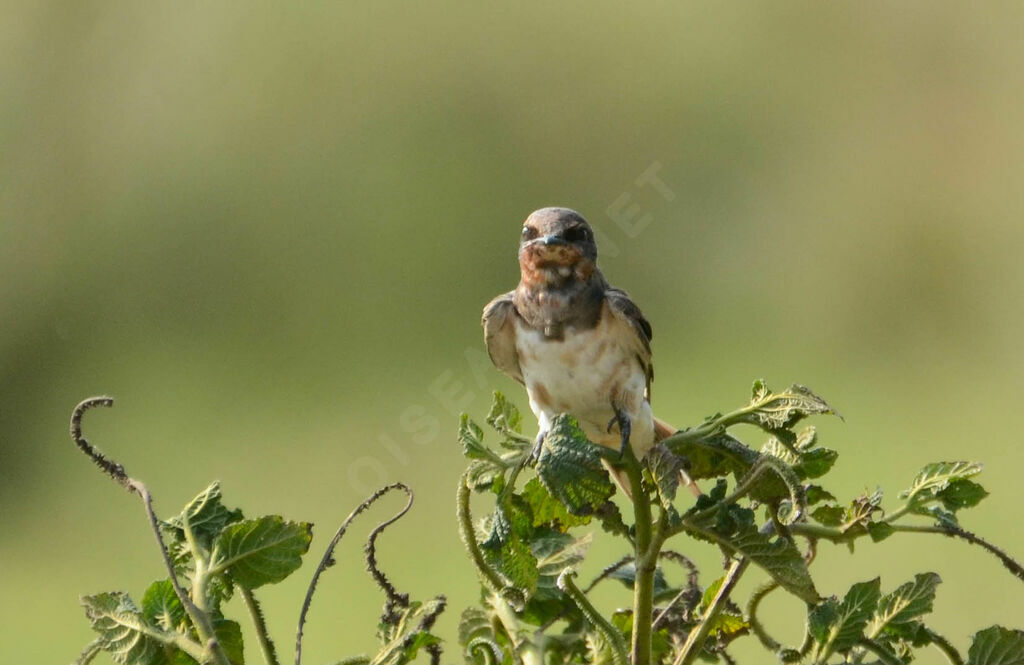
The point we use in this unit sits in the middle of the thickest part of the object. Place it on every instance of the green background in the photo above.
(268, 230)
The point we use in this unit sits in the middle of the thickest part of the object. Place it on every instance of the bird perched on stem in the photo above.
(579, 345)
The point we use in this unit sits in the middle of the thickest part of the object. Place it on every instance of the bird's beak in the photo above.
(552, 241)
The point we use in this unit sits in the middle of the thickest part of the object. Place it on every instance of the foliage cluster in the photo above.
(766, 508)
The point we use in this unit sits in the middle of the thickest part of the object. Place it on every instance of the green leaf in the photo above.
(229, 634)
(554, 553)
(504, 416)
(206, 516)
(570, 468)
(665, 468)
(961, 493)
(479, 641)
(936, 477)
(161, 607)
(472, 439)
(482, 473)
(547, 510)
(879, 531)
(817, 494)
(862, 508)
(815, 463)
(123, 632)
(997, 646)
(897, 611)
(828, 515)
(261, 551)
(838, 626)
(733, 528)
(780, 411)
(715, 456)
(506, 550)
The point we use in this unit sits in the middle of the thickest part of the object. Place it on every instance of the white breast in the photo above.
(585, 374)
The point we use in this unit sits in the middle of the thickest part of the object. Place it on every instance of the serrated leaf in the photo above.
(780, 411)
(554, 553)
(817, 494)
(861, 509)
(897, 611)
(547, 510)
(477, 636)
(482, 473)
(838, 626)
(161, 607)
(879, 531)
(665, 468)
(815, 463)
(935, 477)
(229, 634)
(261, 551)
(123, 632)
(715, 456)
(504, 416)
(507, 553)
(472, 439)
(570, 468)
(733, 528)
(997, 646)
(961, 493)
(206, 517)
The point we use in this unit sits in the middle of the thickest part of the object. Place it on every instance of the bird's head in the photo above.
(557, 247)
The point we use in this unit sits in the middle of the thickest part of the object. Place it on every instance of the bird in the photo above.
(579, 345)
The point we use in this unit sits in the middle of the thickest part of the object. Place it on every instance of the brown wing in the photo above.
(500, 335)
(624, 308)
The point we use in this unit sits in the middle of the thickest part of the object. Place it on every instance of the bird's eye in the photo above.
(529, 233)
(577, 234)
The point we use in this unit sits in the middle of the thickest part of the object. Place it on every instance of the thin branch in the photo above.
(943, 645)
(608, 572)
(91, 650)
(204, 626)
(328, 558)
(260, 623)
(491, 579)
(394, 599)
(609, 632)
(753, 604)
(695, 640)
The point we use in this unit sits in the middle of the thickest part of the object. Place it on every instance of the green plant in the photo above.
(526, 551)
(210, 553)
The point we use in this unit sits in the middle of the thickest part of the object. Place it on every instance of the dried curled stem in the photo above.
(328, 557)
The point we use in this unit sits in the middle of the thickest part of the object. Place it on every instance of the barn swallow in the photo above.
(579, 345)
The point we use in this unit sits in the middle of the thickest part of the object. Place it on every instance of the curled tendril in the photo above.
(490, 651)
(328, 557)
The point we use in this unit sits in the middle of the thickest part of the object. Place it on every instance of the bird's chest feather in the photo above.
(584, 373)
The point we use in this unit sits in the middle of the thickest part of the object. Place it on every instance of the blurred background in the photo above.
(269, 230)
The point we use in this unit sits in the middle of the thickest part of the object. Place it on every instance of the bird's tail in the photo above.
(662, 430)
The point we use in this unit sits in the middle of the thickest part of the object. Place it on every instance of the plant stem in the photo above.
(608, 631)
(767, 640)
(646, 563)
(695, 640)
(943, 645)
(256, 613)
(489, 576)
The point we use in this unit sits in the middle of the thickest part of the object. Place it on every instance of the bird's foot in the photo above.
(538, 444)
(625, 428)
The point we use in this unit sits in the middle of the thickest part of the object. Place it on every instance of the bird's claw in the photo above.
(538, 444)
(625, 428)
